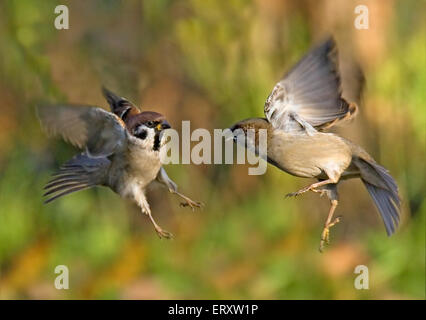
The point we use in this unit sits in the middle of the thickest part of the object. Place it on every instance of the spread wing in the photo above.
(309, 95)
(101, 132)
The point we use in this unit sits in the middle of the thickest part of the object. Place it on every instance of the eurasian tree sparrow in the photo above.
(304, 103)
(121, 151)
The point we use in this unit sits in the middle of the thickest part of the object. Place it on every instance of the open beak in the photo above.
(163, 125)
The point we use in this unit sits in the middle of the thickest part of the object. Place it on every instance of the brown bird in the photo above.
(303, 104)
(121, 151)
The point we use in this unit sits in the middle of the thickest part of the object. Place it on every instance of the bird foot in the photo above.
(325, 236)
(192, 204)
(163, 233)
(298, 193)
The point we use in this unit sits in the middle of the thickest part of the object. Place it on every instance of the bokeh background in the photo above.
(213, 63)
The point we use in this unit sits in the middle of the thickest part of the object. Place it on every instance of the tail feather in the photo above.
(384, 191)
(64, 186)
(81, 172)
(58, 182)
(388, 209)
(67, 191)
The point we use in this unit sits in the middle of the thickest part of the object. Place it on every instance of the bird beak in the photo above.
(163, 125)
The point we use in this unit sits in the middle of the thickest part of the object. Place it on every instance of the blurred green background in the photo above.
(213, 63)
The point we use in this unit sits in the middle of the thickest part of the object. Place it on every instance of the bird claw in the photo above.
(192, 204)
(325, 236)
(163, 233)
(298, 193)
(291, 194)
(306, 189)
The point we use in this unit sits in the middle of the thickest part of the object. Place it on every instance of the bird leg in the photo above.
(327, 187)
(188, 202)
(164, 179)
(146, 209)
(161, 232)
(325, 236)
(313, 187)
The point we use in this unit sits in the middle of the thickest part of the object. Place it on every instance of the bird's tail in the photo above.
(81, 172)
(382, 188)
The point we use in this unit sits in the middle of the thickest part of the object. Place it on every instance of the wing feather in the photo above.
(309, 95)
(120, 106)
(100, 132)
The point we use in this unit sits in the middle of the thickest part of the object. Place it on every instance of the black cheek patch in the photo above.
(142, 135)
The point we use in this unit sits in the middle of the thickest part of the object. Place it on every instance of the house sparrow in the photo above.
(121, 151)
(302, 105)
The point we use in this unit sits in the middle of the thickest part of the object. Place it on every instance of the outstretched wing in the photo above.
(120, 106)
(100, 132)
(309, 96)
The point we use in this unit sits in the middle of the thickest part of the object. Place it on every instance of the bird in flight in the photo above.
(121, 151)
(301, 107)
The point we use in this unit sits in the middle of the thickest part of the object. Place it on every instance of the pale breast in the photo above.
(309, 156)
(143, 165)
(133, 170)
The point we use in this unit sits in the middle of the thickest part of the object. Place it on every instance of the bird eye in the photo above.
(150, 123)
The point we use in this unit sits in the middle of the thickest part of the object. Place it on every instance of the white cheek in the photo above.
(148, 142)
